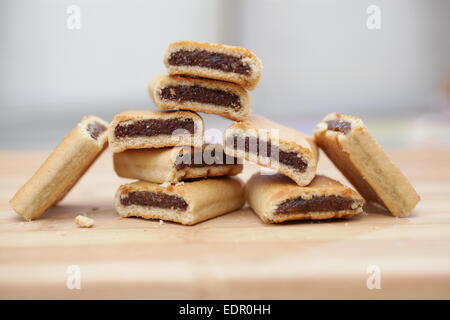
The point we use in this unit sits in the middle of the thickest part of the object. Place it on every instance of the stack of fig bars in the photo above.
(181, 179)
(165, 149)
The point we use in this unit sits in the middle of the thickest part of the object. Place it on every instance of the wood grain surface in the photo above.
(233, 256)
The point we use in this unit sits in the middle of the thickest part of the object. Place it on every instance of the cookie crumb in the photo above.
(321, 126)
(161, 222)
(84, 222)
(165, 184)
(354, 205)
(180, 183)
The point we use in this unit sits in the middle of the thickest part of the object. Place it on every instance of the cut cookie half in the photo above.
(62, 169)
(354, 151)
(275, 198)
(214, 61)
(175, 164)
(137, 129)
(275, 146)
(187, 203)
(202, 95)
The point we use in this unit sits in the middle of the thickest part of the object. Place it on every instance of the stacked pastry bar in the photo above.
(164, 150)
(161, 148)
(206, 77)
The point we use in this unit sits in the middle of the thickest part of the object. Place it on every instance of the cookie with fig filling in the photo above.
(62, 169)
(202, 95)
(354, 151)
(137, 129)
(275, 146)
(187, 203)
(214, 61)
(275, 198)
(175, 164)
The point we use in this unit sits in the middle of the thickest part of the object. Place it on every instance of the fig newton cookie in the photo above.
(139, 129)
(187, 203)
(272, 145)
(202, 95)
(354, 151)
(214, 61)
(62, 169)
(275, 198)
(175, 164)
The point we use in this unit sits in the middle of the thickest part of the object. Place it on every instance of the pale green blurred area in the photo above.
(421, 132)
(318, 57)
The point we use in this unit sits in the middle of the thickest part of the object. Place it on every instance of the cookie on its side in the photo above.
(62, 169)
(137, 129)
(214, 61)
(272, 145)
(187, 203)
(175, 164)
(275, 198)
(203, 95)
(354, 151)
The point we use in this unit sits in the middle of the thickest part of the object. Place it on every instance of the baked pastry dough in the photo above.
(175, 164)
(187, 203)
(203, 95)
(214, 61)
(62, 169)
(272, 145)
(275, 198)
(137, 129)
(354, 151)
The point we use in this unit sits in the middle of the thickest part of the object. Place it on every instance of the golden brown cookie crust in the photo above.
(265, 192)
(161, 81)
(365, 164)
(287, 139)
(247, 81)
(157, 141)
(206, 198)
(158, 165)
(62, 169)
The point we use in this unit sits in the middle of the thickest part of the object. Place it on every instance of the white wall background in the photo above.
(318, 57)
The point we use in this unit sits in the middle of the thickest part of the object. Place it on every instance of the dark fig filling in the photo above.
(315, 204)
(196, 93)
(339, 126)
(265, 148)
(201, 158)
(208, 59)
(95, 129)
(154, 199)
(153, 127)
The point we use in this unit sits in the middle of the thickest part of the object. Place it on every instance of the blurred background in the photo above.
(319, 56)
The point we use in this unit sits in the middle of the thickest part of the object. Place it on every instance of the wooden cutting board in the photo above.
(233, 256)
